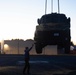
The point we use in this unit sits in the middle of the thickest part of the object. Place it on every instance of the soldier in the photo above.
(27, 57)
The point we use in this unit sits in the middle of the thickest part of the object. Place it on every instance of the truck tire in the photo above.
(67, 48)
(38, 48)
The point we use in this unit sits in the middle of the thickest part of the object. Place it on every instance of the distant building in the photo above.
(17, 46)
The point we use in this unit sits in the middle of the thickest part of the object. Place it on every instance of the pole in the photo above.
(18, 46)
(58, 7)
(2, 46)
(45, 6)
(51, 6)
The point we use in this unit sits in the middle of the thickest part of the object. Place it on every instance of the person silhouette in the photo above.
(27, 58)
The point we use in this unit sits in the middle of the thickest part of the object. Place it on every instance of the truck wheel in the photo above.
(38, 48)
(67, 48)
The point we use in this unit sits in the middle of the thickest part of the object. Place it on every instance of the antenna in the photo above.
(58, 7)
(45, 6)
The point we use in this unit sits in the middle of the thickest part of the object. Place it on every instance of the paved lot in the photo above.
(40, 64)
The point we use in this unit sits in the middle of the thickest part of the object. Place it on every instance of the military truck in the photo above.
(53, 29)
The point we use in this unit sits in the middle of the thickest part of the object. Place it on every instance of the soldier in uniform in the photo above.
(27, 58)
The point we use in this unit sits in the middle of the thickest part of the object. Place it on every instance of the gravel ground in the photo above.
(18, 70)
(57, 65)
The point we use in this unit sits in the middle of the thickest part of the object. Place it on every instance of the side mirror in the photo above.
(38, 21)
(69, 19)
